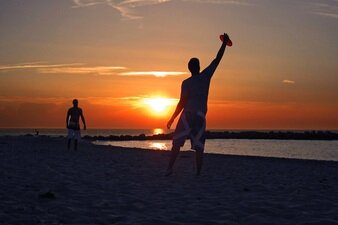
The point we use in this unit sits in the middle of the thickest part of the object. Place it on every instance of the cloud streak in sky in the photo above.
(34, 65)
(232, 2)
(126, 8)
(288, 82)
(68, 68)
(153, 73)
(81, 68)
(327, 8)
(99, 70)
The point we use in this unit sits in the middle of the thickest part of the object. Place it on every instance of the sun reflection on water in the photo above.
(158, 146)
(158, 131)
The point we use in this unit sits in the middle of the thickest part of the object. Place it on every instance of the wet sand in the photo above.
(41, 182)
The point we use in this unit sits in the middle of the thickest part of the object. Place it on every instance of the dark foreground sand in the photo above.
(43, 183)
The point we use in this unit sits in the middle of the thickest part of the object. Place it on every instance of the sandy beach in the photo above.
(41, 182)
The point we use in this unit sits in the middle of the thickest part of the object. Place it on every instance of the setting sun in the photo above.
(158, 105)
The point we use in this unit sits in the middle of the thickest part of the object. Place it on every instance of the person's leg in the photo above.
(68, 144)
(199, 162)
(197, 138)
(75, 144)
(174, 153)
(70, 137)
(181, 133)
(77, 137)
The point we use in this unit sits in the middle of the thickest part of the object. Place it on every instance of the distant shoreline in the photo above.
(144, 134)
(276, 135)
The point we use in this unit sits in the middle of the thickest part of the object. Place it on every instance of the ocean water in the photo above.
(297, 149)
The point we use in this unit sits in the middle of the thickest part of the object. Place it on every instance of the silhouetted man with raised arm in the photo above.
(73, 124)
(193, 101)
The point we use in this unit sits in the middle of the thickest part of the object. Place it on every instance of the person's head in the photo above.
(75, 102)
(194, 66)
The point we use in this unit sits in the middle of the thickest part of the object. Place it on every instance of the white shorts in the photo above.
(190, 125)
(74, 134)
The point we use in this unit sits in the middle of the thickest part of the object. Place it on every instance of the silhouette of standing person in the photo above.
(193, 102)
(73, 124)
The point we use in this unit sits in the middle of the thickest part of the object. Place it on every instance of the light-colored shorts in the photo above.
(190, 125)
(74, 134)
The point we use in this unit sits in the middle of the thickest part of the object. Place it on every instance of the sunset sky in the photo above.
(125, 61)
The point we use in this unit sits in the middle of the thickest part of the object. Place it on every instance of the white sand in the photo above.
(43, 183)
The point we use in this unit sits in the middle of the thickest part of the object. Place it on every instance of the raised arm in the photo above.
(220, 52)
(214, 63)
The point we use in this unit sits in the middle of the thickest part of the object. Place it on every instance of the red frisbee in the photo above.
(222, 39)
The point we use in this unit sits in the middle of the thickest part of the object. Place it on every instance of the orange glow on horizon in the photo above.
(134, 113)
